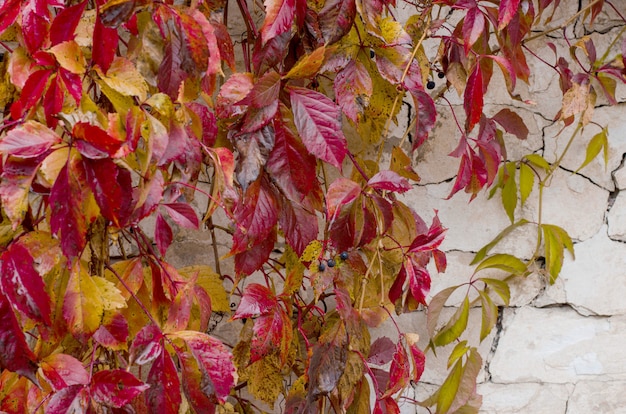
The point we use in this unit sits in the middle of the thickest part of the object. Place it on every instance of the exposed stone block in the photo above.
(598, 397)
(524, 398)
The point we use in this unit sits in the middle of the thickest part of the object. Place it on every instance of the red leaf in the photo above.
(163, 235)
(236, 88)
(299, 225)
(15, 355)
(419, 281)
(35, 18)
(473, 27)
(150, 196)
(112, 188)
(327, 365)
(64, 24)
(115, 388)
(387, 405)
(97, 137)
(180, 309)
(341, 193)
(31, 92)
(215, 361)
(28, 140)
(289, 163)
(473, 98)
(105, 41)
(73, 84)
(256, 216)
(62, 370)
(171, 73)
(256, 300)
(53, 101)
(113, 333)
(389, 181)
(73, 399)
(224, 43)
(399, 371)
(252, 259)
(163, 396)
(381, 351)
(336, 19)
(317, 119)
(419, 361)
(507, 70)
(71, 205)
(264, 92)
(146, 346)
(273, 331)
(353, 88)
(279, 15)
(208, 123)
(195, 43)
(22, 285)
(253, 149)
(114, 13)
(431, 240)
(512, 123)
(440, 260)
(195, 384)
(8, 13)
(506, 11)
(183, 215)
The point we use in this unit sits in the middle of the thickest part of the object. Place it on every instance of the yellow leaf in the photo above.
(294, 270)
(575, 100)
(211, 283)
(308, 65)
(121, 102)
(84, 30)
(111, 296)
(70, 56)
(312, 251)
(124, 78)
(401, 164)
(266, 380)
(82, 305)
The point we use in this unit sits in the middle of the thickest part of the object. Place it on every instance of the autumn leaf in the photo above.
(17, 177)
(105, 39)
(28, 140)
(65, 23)
(123, 77)
(74, 398)
(317, 119)
(279, 15)
(83, 304)
(473, 98)
(506, 11)
(115, 388)
(389, 181)
(336, 19)
(473, 27)
(15, 355)
(62, 370)
(164, 393)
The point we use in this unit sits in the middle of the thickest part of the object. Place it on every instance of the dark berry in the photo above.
(344, 255)
(321, 267)
(430, 84)
(331, 263)
(372, 54)
(441, 75)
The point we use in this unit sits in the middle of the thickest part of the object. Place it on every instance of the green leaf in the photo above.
(485, 249)
(455, 327)
(459, 350)
(526, 181)
(489, 314)
(467, 385)
(502, 261)
(556, 240)
(436, 306)
(599, 142)
(538, 161)
(449, 388)
(509, 191)
(500, 287)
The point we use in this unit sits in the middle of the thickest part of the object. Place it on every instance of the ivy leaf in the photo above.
(83, 305)
(425, 118)
(22, 285)
(299, 225)
(182, 214)
(15, 355)
(215, 363)
(336, 19)
(419, 281)
(506, 262)
(473, 98)
(122, 76)
(256, 300)
(473, 27)
(381, 351)
(399, 371)
(31, 92)
(73, 207)
(341, 193)
(65, 23)
(17, 177)
(386, 405)
(430, 240)
(327, 364)
(112, 189)
(103, 144)
(163, 235)
(279, 15)
(72, 399)
(53, 100)
(62, 370)
(28, 140)
(146, 346)
(252, 259)
(105, 41)
(163, 396)
(556, 240)
(455, 326)
(113, 332)
(512, 123)
(115, 388)
(8, 13)
(35, 24)
(171, 73)
(353, 89)
(317, 121)
(308, 65)
(389, 181)
(506, 11)
(253, 148)
(597, 143)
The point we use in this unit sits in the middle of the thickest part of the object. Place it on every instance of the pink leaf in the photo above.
(35, 18)
(317, 120)
(183, 215)
(146, 346)
(425, 118)
(431, 240)
(353, 88)
(507, 10)
(256, 300)
(419, 281)
(299, 225)
(62, 370)
(73, 83)
(53, 101)
(473, 27)
(399, 371)
(22, 285)
(271, 332)
(440, 260)
(256, 215)
(163, 396)
(115, 388)
(8, 13)
(389, 181)
(28, 140)
(72, 399)
(113, 333)
(381, 351)
(512, 123)
(97, 137)
(341, 193)
(386, 405)
(278, 18)
(419, 361)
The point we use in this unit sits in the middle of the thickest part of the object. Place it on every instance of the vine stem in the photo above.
(566, 24)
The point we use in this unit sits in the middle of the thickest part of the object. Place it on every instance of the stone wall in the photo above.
(557, 348)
